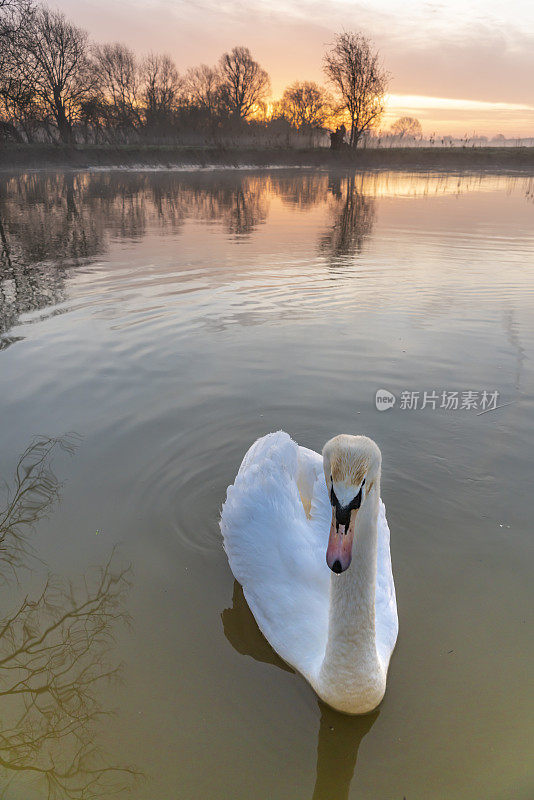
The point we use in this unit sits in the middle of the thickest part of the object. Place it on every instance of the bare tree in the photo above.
(13, 14)
(306, 105)
(244, 82)
(203, 88)
(17, 93)
(20, 111)
(407, 128)
(117, 74)
(52, 55)
(161, 88)
(94, 117)
(355, 72)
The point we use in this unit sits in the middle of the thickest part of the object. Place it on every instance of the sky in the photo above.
(461, 66)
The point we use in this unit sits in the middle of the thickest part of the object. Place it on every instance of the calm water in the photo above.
(166, 320)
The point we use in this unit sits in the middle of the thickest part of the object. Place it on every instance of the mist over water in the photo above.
(169, 319)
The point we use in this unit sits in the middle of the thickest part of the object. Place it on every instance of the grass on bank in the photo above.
(151, 155)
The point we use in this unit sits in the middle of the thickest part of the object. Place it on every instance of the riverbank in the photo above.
(39, 156)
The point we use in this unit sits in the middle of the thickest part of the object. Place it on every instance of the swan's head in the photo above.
(351, 468)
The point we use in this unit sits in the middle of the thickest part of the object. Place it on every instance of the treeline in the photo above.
(57, 85)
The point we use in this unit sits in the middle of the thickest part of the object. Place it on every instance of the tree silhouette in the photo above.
(306, 105)
(161, 87)
(407, 128)
(244, 83)
(117, 76)
(51, 54)
(354, 71)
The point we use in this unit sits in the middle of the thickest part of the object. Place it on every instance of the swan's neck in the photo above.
(351, 669)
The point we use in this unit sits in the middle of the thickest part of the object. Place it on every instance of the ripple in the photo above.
(184, 484)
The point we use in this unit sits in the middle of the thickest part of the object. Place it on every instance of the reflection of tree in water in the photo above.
(51, 223)
(239, 203)
(128, 201)
(353, 215)
(302, 190)
(243, 211)
(339, 736)
(55, 651)
(34, 491)
(47, 219)
(529, 189)
(45, 231)
(24, 288)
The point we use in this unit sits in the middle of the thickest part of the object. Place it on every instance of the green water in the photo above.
(166, 320)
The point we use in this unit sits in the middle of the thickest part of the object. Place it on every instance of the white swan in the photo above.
(336, 626)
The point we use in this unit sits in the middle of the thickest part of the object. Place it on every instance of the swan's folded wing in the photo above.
(276, 552)
(387, 623)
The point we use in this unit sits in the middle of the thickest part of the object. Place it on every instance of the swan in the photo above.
(307, 538)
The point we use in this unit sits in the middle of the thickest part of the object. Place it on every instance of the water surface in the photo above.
(165, 320)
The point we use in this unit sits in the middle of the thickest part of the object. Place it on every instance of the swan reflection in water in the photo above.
(339, 736)
(55, 652)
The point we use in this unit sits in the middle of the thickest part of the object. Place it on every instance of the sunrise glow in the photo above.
(457, 67)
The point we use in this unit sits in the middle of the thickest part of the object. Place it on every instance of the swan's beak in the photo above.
(339, 551)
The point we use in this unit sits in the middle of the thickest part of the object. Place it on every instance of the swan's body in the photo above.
(337, 630)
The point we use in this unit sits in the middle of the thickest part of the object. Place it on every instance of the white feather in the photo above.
(275, 525)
